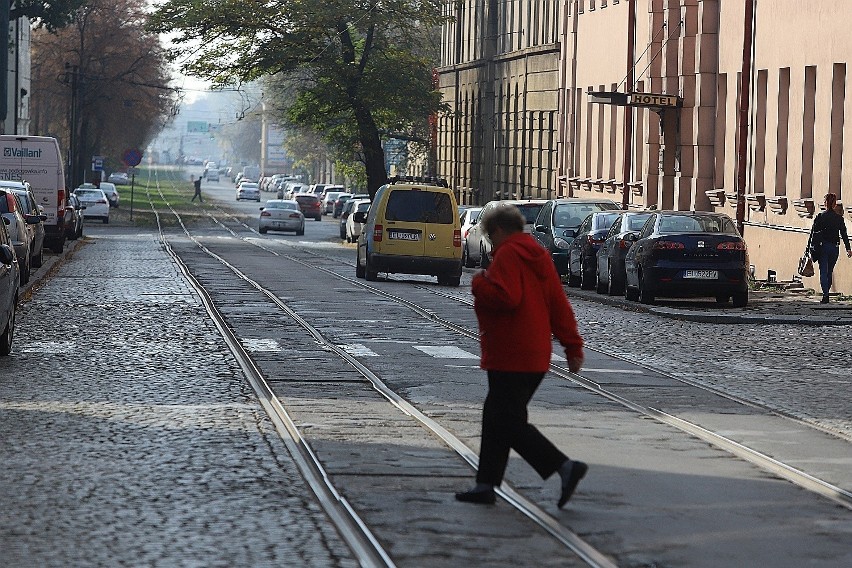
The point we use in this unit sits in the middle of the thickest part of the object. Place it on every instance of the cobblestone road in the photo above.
(116, 450)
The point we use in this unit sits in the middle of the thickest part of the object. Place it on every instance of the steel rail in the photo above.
(590, 555)
(759, 459)
(364, 545)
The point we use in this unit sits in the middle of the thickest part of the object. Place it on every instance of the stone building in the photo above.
(648, 109)
(500, 74)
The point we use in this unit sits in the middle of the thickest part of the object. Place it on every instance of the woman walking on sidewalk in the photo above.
(520, 303)
(827, 230)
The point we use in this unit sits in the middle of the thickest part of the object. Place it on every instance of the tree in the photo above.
(106, 72)
(346, 69)
(49, 15)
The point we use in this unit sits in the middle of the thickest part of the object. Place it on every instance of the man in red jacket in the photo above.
(520, 303)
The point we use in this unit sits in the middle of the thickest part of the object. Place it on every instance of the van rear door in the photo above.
(405, 233)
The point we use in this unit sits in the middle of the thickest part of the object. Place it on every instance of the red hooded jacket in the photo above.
(519, 302)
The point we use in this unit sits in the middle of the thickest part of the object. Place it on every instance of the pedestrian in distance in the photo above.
(520, 304)
(197, 184)
(824, 243)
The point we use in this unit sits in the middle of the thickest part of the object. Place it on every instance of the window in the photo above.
(419, 207)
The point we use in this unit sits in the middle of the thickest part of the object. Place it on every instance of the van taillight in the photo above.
(457, 238)
(60, 212)
(377, 233)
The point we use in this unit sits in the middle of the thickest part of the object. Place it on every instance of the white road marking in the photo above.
(260, 345)
(445, 352)
(358, 350)
(622, 371)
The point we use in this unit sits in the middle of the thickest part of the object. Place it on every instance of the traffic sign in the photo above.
(97, 163)
(132, 157)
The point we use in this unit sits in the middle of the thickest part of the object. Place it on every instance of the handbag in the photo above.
(806, 265)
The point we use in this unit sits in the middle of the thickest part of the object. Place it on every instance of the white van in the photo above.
(37, 160)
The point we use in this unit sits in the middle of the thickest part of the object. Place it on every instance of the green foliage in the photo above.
(51, 15)
(347, 70)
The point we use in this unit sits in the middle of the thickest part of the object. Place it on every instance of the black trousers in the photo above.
(505, 426)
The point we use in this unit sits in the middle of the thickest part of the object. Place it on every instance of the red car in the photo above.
(310, 204)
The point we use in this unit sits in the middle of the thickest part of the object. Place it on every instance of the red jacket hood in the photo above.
(530, 252)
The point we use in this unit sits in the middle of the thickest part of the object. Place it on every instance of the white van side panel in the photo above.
(36, 160)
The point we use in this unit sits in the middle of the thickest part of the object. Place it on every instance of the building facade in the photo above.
(500, 74)
(719, 105)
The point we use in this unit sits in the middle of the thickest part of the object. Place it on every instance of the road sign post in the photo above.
(132, 157)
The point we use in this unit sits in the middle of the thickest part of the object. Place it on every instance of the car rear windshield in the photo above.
(307, 198)
(417, 206)
(636, 222)
(88, 193)
(280, 205)
(572, 214)
(605, 220)
(530, 211)
(697, 224)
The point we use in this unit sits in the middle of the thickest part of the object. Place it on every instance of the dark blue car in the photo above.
(610, 273)
(687, 254)
(583, 251)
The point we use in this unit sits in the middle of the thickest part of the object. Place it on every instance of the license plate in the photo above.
(404, 235)
(701, 274)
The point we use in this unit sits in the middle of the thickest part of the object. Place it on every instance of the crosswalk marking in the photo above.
(260, 345)
(358, 350)
(620, 371)
(445, 352)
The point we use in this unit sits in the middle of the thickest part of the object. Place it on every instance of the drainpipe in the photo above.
(628, 111)
(575, 101)
(745, 101)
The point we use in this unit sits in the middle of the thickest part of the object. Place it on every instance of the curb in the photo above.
(712, 316)
(52, 263)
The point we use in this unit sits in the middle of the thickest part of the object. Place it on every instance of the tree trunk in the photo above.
(371, 143)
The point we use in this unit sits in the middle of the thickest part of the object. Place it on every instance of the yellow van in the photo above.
(412, 227)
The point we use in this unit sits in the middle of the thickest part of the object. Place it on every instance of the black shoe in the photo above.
(569, 484)
(824, 300)
(486, 497)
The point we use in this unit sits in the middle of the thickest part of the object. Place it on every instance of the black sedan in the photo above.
(583, 250)
(611, 277)
(687, 254)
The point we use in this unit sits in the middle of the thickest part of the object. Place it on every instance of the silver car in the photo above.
(31, 212)
(478, 245)
(281, 215)
(111, 192)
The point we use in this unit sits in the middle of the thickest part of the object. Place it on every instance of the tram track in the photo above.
(759, 459)
(357, 534)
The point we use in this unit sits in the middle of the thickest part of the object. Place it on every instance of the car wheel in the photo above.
(483, 258)
(359, 270)
(602, 286)
(586, 282)
(722, 299)
(106, 220)
(79, 232)
(630, 293)
(614, 287)
(301, 231)
(370, 275)
(466, 257)
(318, 218)
(38, 260)
(645, 294)
(25, 273)
(449, 279)
(741, 299)
(8, 333)
(262, 230)
(573, 281)
(59, 245)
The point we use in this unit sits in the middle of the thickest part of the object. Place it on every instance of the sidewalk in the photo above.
(765, 306)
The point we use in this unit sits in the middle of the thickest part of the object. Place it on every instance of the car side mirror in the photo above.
(540, 229)
(32, 219)
(43, 217)
(262, 208)
(6, 255)
(360, 217)
(632, 237)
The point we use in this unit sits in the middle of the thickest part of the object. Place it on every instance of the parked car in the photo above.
(610, 269)
(557, 224)
(248, 190)
(212, 173)
(687, 254)
(310, 205)
(353, 227)
(411, 228)
(96, 202)
(74, 218)
(111, 192)
(119, 178)
(344, 215)
(16, 226)
(477, 242)
(35, 224)
(583, 250)
(281, 215)
(339, 203)
(468, 218)
(328, 200)
(10, 282)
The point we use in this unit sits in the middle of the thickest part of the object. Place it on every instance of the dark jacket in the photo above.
(520, 303)
(829, 227)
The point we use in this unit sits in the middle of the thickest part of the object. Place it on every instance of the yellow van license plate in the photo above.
(404, 235)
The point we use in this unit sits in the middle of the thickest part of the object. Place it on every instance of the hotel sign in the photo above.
(652, 100)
